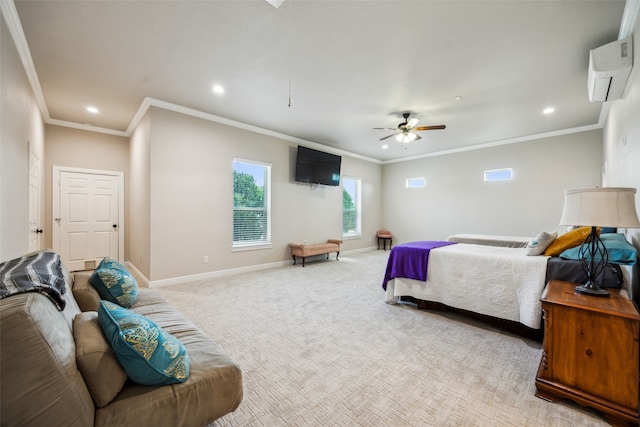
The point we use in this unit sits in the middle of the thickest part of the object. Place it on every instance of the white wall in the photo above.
(21, 127)
(457, 200)
(138, 235)
(191, 197)
(80, 149)
(622, 141)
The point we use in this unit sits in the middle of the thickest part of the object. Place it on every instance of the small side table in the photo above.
(590, 351)
(384, 235)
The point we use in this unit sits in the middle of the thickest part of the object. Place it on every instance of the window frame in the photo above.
(242, 245)
(357, 201)
(493, 175)
(415, 183)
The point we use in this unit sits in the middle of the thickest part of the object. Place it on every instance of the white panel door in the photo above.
(88, 219)
(34, 202)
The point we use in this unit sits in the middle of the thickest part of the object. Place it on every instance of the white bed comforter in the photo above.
(495, 281)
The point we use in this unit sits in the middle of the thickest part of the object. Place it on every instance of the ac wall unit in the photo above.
(609, 69)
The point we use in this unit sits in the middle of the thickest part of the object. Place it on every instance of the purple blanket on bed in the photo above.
(410, 260)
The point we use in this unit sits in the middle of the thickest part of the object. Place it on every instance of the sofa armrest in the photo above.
(337, 242)
(85, 294)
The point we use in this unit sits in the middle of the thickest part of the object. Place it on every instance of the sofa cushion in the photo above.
(97, 362)
(84, 293)
(38, 348)
(214, 387)
(148, 354)
(114, 283)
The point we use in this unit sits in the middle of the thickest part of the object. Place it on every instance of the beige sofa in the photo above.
(42, 385)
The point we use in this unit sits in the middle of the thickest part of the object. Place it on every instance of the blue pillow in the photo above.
(148, 354)
(114, 283)
(619, 250)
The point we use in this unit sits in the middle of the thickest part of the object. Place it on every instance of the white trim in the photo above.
(219, 273)
(232, 271)
(151, 102)
(631, 11)
(251, 247)
(15, 28)
(498, 143)
(488, 175)
(55, 227)
(414, 183)
(352, 236)
(90, 128)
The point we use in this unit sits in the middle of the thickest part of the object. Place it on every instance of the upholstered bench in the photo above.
(304, 251)
(384, 235)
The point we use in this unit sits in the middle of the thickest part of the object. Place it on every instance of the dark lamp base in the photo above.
(592, 290)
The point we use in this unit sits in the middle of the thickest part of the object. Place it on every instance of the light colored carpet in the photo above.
(319, 347)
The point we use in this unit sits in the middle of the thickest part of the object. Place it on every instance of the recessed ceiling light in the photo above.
(92, 109)
(457, 98)
(218, 89)
(385, 146)
(548, 110)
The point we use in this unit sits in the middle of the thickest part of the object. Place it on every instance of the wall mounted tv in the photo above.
(317, 167)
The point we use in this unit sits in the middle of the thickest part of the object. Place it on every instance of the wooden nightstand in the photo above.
(590, 351)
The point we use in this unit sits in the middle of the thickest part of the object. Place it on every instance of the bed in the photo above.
(489, 240)
(496, 281)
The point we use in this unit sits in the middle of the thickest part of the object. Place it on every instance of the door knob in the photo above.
(38, 231)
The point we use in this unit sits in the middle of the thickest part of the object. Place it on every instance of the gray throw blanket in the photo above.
(38, 272)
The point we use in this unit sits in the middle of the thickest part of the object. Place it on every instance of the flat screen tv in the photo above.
(317, 167)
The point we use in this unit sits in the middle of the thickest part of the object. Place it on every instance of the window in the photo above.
(416, 182)
(351, 207)
(251, 203)
(498, 174)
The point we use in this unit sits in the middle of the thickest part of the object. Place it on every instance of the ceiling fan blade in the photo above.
(435, 127)
(388, 136)
(412, 122)
(386, 128)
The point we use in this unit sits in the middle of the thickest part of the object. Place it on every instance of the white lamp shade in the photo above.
(600, 207)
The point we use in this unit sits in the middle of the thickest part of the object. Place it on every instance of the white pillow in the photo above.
(539, 243)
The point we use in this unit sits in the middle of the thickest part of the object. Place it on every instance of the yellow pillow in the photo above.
(568, 240)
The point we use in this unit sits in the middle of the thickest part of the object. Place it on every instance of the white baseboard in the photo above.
(218, 273)
(229, 272)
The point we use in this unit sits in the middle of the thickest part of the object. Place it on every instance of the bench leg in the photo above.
(337, 255)
(303, 258)
(294, 259)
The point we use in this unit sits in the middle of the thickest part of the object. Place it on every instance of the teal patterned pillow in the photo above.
(114, 283)
(148, 354)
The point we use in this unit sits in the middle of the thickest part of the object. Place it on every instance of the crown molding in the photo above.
(12, 19)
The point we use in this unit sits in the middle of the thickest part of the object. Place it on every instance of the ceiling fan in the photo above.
(406, 131)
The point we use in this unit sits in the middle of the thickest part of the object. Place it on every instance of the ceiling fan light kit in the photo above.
(406, 137)
(406, 131)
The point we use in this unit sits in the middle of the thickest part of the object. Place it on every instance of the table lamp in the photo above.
(598, 207)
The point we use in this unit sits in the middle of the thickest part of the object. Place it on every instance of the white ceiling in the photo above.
(349, 66)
